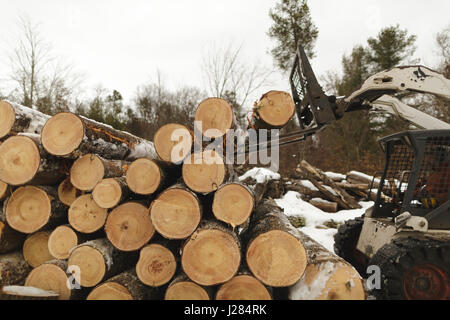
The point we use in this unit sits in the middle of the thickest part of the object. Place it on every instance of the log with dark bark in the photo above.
(273, 110)
(15, 118)
(85, 215)
(109, 192)
(205, 172)
(71, 136)
(146, 176)
(30, 209)
(5, 190)
(173, 142)
(233, 203)
(10, 239)
(35, 249)
(124, 286)
(212, 254)
(129, 227)
(176, 212)
(274, 252)
(327, 276)
(324, 205)
(98, 260)
(90, 169)
(22, 161)
(13, 268)
(215, 116)
(304, 190)
(183, 288)
(67, 193)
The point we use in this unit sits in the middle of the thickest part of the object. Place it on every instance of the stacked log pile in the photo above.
(90, 212)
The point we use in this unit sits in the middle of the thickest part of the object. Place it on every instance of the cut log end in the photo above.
(19, 160)
(110, 291)
(143, 176)
(243, 287)
(186, 290)
(35, 249)
(176, 213)
(62, 134)
(86, 172)
(169, 136)
(91, 264)
(67, 193)
(7, 118)
(277, 258)
(129, 226)
(204, 172)
(28, 209)
(211, 257)
(107, 193)
(276, 108)
(217, 114)
(156, 265)
(51, 278)
(85, 215)
(61, 241)
(233, 204)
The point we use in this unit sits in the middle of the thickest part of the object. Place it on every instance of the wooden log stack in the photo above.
(91, 212)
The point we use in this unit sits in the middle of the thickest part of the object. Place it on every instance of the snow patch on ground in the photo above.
(261, 175)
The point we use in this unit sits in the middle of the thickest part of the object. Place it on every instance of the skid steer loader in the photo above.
(406, 234)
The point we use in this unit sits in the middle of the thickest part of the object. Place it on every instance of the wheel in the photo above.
(345, 241)
(413, 269)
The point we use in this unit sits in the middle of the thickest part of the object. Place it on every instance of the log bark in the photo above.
(215, 116)
(23, 161)
(30, 209)
(273, 110)
(274, 252)
(326, 206)
(233, 203)
(176, 212)
(129, 227)
(212, 254)
(71, 136)
(98, 260)
(355, 178)
(10, 239)
(327, 276)
(67, 193)
(124, 286)
(5, 190)
(110, 192)
(304, 190)
(13, 268)
(15, 118)
(205, 172)
(54, 276)
(183, 288)
(85, 215)
(173, 142)
(157, 262)
(146, 176)
(35, 249)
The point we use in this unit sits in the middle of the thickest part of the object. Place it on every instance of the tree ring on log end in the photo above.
(156, 265)
(51, 278)
(164, 144)
(205, 172)
(107, 193)
(276, 108)
(7, 118)
(211, 257)
(86, 172)
(276, 258)
(62, 134)
(19, 160)
(129, 226)
(243, 287)
(143, 176)
(176, 213)
(28, 209)
(85, 215)
(91, 264)
(186, 290)
(110, 291)
(35, 249)
(233, 204)
(215, 113)
(61, 241)
(67, 193)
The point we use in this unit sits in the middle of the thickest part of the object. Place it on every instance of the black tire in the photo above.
(345, 241)
(413, 269)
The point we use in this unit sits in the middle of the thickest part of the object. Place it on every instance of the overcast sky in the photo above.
(121, 44)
